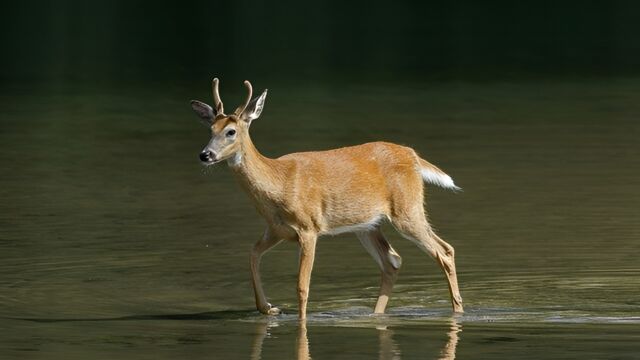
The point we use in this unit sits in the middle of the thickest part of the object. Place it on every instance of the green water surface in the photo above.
(116, 242)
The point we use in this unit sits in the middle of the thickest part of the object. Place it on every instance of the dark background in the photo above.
(166, 42)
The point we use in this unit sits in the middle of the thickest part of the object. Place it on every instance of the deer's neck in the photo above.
(260, 176)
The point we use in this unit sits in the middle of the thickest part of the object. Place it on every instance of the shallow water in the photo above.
(115, 242)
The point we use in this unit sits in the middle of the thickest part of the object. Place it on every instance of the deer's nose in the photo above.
(206, 156)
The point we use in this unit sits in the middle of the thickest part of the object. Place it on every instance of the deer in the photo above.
(305, 195)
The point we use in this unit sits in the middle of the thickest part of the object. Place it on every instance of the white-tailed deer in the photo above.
(309, 194)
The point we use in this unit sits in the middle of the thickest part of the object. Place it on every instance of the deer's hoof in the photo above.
(274, 311)
(270, 310)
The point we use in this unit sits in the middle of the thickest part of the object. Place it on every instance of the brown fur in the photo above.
(308, 194)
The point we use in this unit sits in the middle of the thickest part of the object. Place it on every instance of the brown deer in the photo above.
(309, 194)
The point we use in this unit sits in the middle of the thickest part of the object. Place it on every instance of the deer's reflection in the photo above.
(449, 350)
(388, 348)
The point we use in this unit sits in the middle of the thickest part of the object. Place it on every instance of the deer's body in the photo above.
(309, 194)
(330, 192)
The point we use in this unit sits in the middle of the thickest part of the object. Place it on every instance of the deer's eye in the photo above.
(230, 133)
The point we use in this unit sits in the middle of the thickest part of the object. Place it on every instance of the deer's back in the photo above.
(351, 185)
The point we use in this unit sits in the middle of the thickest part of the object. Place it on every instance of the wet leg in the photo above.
(387, 259)
(267, 242)
(417, 229)
(307, 243)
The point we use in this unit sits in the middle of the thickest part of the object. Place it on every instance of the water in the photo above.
(115, 242)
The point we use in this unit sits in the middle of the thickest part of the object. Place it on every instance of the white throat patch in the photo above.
(235, 160)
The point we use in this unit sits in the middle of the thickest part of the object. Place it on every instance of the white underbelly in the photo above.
(361, 227)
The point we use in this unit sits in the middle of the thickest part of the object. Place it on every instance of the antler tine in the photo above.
(241, 108)
(216, 97)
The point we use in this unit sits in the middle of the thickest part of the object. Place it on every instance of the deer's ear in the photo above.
(254, 109)
(204, 112)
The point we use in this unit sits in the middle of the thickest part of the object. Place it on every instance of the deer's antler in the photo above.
(216, 97)
(242, 107)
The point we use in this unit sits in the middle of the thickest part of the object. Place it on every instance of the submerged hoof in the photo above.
(270, 310)
(274, 311)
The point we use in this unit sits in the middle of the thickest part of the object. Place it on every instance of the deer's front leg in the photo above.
(307, 254)
(263, 245)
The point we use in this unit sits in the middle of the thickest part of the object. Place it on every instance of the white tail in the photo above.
(305, 195)
(431, 174)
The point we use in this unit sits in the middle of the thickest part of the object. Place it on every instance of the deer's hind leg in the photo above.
(387, 259)
(414, 226)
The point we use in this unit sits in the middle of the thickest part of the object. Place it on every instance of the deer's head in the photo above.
(228, 132)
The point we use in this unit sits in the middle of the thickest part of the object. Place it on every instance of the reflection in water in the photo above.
(303, 341)
(388, 348)
(449, 351)
(262, 330)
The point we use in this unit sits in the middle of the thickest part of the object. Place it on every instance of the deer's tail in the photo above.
(432, 174)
